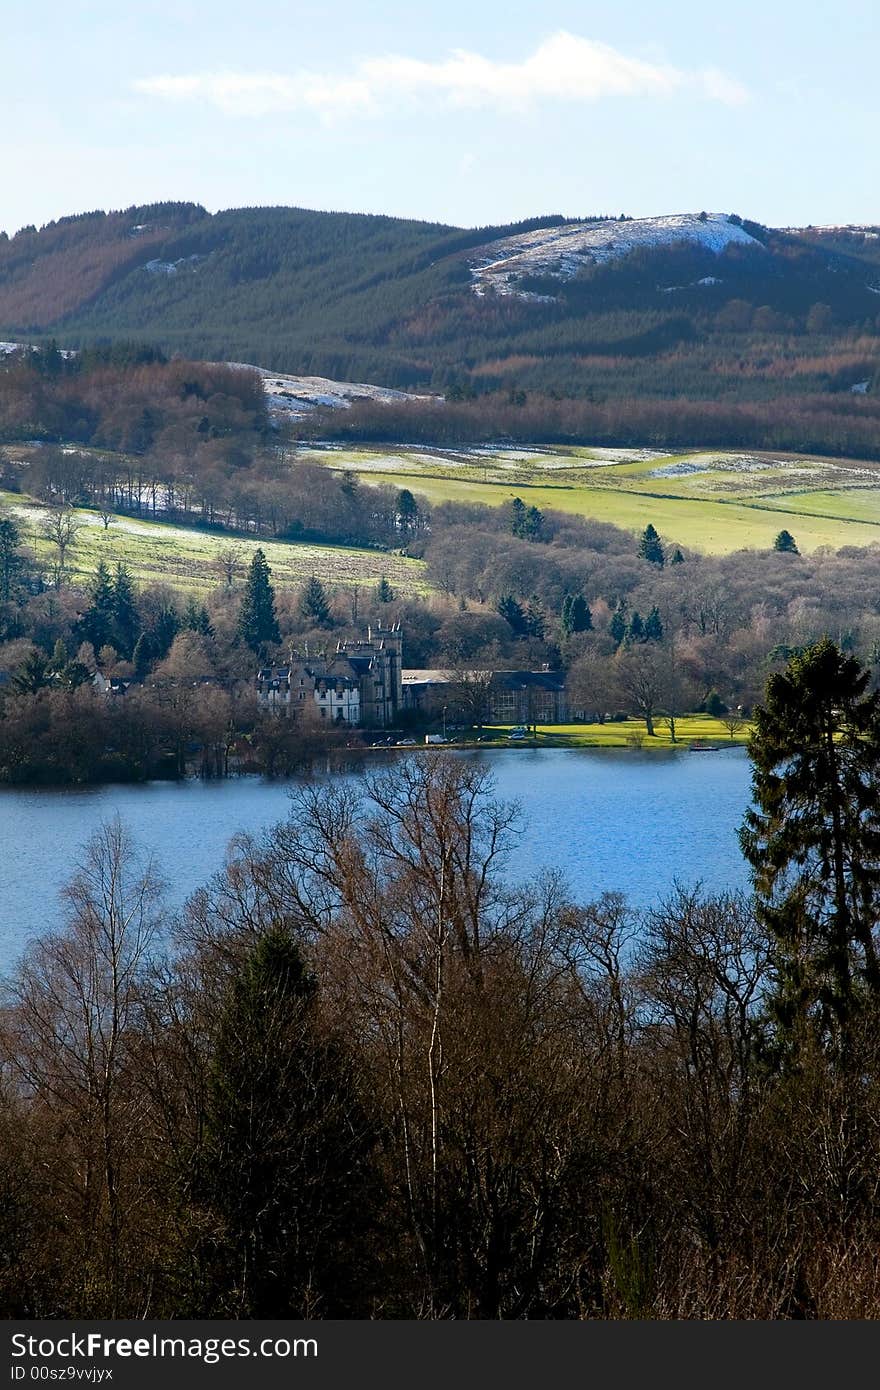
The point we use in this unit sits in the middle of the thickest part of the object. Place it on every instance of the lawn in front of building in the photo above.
(622, 733)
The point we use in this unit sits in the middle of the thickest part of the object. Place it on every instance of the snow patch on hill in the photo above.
(869, 232)
(562, 251)
(6, 349)
(296, 396)
(159, 267)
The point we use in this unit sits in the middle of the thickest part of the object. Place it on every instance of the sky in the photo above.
(468, 112)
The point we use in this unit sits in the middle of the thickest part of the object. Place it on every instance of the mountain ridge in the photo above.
(697, 306)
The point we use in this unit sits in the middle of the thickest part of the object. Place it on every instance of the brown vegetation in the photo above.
(517, 1106)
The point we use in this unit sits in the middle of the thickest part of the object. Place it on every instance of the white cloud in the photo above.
(562, 68)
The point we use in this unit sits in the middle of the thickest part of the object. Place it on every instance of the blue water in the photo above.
(609, 819)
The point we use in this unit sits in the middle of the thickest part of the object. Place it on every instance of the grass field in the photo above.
(187, 558)
(716, 501)
(626, 733)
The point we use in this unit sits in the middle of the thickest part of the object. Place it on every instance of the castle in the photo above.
(359, 683)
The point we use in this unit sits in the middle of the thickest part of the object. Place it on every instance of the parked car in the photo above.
(435, 738)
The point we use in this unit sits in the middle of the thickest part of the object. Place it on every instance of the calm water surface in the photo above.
(610, 819)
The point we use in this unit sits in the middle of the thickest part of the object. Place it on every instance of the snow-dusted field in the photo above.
(296, 396)
(611, 455)
(563, 251)
(814, 469)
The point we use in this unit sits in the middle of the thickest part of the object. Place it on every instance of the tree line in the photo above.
(641, 627)
(124, 430)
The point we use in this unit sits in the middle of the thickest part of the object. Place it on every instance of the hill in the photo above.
(563, 252)
(695, 313)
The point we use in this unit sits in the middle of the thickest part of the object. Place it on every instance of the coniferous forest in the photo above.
(759, 345)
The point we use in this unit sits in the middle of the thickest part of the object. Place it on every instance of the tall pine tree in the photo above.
(314, 606)
(575, 615)
(813, 839)
(97, 623)
(257, 623)
(284, 1171)
(513, 613)
(654, 626)
(125, 619)
(617, 625)
(651, 547)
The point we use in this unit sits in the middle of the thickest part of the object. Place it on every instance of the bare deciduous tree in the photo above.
(60, 528)
(230, 563)
(75, 1008)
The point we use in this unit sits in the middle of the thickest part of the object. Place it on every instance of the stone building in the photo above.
(491, 697)
(358, 683)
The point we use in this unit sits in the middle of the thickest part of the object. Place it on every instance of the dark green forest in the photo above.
(786, 326)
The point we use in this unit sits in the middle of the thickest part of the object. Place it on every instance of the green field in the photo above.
(187, 558)
(715, 501)
(626, 733)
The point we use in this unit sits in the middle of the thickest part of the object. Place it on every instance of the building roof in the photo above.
(507, 680)
(426, 676)
(535, 680)
(335, 682)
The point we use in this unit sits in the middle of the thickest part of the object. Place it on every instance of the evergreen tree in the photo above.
(513, 613)
(617, 625)
(536, 618)
(285, 1171)
(125, 621)
(12, 563)
(651, 548)
(66, 674)
(407, 511)
(526, 523)
(813, 839)
(257, 623)
(518, 515)
(576, 615)
(677, 557)
(654, 626)
(349, 486)
(197, 619)
(314, 606)
(384, 591)
(32, 675)
(96, 624)
(580, 617)
(143, 655)
(636, 630)
(165, 630)
(786, 543)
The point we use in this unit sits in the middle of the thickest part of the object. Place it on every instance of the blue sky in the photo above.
(470, 111)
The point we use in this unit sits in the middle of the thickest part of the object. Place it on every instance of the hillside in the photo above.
(563, 252)
(685, 311)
